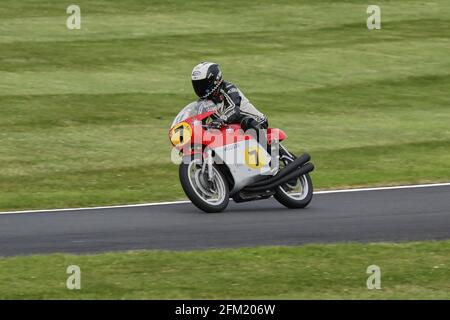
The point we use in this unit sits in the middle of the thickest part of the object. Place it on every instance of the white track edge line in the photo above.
(187, 201)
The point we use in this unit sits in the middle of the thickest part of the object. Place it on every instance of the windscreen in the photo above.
(193, 109)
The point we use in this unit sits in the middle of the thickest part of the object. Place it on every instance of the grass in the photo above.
(84, 114)
(417, 270)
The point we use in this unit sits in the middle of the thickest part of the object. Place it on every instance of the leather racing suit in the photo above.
(234, 107)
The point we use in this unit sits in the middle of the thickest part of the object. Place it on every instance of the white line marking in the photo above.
(99, 208)
(187, 201)
(446, 184)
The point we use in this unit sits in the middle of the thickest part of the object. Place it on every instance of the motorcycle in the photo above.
(217, 164)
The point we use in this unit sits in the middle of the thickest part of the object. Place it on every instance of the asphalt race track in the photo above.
(381, 215)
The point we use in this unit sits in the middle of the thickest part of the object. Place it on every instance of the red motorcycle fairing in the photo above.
(194, 133)
(275, 134)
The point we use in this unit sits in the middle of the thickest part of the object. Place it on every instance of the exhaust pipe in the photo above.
(295, 174)
(304, 158)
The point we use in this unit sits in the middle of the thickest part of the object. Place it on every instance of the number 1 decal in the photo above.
(180, 134)
(254, 158)
(254, 153)
(180, 131)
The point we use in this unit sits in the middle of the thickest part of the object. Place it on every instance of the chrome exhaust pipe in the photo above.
(294, 165)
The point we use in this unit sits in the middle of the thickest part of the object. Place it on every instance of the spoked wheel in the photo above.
(209, 196)
(296, 193)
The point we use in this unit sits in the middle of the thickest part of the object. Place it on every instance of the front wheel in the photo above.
(296, 193)
(209, 196)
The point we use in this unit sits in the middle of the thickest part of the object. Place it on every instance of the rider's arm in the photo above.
(232, 100)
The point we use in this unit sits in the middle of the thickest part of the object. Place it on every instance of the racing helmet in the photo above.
(206, 78)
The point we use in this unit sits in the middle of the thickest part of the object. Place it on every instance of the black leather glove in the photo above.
(250, 123)
(216, 124)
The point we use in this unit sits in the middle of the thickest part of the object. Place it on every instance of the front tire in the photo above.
(209, 196)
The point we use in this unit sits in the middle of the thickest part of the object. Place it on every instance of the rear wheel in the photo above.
(296, 193)
(209, 196)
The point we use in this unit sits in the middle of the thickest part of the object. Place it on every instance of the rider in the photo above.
(232, 105)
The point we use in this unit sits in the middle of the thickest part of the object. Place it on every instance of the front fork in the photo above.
(205, 156)
(208, 164)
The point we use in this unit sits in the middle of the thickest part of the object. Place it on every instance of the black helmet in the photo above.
(206, 78)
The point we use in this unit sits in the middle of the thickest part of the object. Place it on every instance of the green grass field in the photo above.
(85, 113)
(408, 271)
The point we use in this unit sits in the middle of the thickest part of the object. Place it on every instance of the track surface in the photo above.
(382, 215)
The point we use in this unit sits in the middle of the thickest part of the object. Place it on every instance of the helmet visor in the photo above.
(202, 87)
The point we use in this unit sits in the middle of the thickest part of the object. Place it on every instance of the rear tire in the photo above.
(295, 200)
(207, 196)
